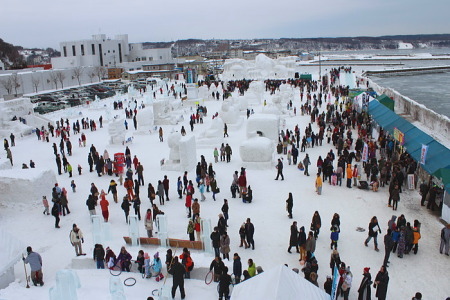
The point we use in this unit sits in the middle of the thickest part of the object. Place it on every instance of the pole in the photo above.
(26, 274)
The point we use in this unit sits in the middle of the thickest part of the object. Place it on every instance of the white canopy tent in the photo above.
(280, 283)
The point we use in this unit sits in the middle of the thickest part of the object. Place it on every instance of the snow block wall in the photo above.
(11, 250)
(257, 149)
(26, 185)
(116, 130)
(145, 120)
(183, 153)
(268, 125)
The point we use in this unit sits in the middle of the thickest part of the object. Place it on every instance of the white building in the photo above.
(98, 51)
(110, 53)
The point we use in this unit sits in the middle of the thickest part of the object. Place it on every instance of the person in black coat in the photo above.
(293, 239)
(365, 286)
(289, 205)
(177, 270)
(126, 207)
(215, 238)
(388, 246)
(249, 232)
(381, 283)
(224, 284)
(237, 268)
(218, 266)
(280, 170)
(302, 242)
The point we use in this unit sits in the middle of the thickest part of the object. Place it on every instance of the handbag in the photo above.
(217, 190)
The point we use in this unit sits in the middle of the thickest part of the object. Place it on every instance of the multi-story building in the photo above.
(98, 51)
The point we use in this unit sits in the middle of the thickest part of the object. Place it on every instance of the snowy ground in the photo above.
(424, 272)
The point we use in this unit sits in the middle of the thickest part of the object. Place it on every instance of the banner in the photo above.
(399, 136)
(365, 153)
(423, 154)
(335, 283)
(411, 181)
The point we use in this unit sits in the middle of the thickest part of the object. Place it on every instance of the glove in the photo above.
(82, 240)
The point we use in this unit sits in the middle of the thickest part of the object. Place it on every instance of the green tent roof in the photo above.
(306, 76)
(386, 101)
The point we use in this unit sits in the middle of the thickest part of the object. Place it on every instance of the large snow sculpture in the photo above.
(230, 112)
(26, 185)
(11, 250)
(144, 119)
(116, 130)
(182, 155)
(265, 125)
(257, 149)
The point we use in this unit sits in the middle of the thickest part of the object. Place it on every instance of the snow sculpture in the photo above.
(257, 149)
(213, 135)
(11, 250)
(162, 113)
(133, 229)
(203, 92)
(67, 283)
(192, 91)
(161, 226)
(255, 92)
(182, 155)
(116, 130)
(205, 235)
(145, 120)
(229, 113)
(116, 288)
(265, 125)
(26, 185)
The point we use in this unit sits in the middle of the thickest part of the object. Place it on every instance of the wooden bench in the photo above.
(176, 243)
(197, 245)
(144, 241)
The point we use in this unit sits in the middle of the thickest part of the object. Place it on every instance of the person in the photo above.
(316, 223)
(215, 238)
(160, 192)
(110, 258)
(445, 239)
(237, 268)
(242, 236)
(347, 283)
(249, 232)
(246, 275)
(46, 206)
(388, 246)
(157, 267)
(177, 271)
(99, 256)
(165, 183)
(161, 134)
(140, 261)
(225, 209)
(104, 206)
(279, 169)
(113, 189)
(148, 222)
(35, 261)
(55, 213)
(90, 203)
(395, 196)
(293, 240)
(76, 239)
(334, 236)
(187, 262)
(190, 230)
(224, 284)
(310, 244)
(319, 184)
(417, 296)
(137, 206)
(217, 266)
(381, 283)
(349, 175)
(289, 205)
(225, 246)
(126, 207)
(124, 259)
(364, 291)
(373, 232)
(327, 286)
(306, 163)
(251, 267)
(335, 260)
(225, 130)
(228, 152)
(302, 242)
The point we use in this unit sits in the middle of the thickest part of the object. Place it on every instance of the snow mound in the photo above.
(25, 185)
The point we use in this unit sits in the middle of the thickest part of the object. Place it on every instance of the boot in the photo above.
(376, 249)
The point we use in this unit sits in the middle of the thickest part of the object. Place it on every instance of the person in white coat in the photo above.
(76, 238)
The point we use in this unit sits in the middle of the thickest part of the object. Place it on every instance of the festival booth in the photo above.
(433, 157)
(278, 283)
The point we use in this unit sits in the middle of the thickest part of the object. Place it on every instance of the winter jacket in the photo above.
(364, 290)
(217, 266)
(157, 265)
(237, 267)
(302, 237)
(76, 236)
(35, 261)
(177, 271)
(310, 245)
(215, 237)
(112, 188)
(148, 222)
(187, 261)
(381, 283)
(99, 253)
(416, 236)
(252, 270)
(225, 244)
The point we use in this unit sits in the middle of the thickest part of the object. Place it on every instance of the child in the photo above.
(334, 236)
(73, 185)
(289, 156)
(140, 260)
(157, 266)
(147, 266)
(45, 203)
(79, 170)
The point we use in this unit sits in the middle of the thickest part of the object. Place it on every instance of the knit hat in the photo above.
(366, 270)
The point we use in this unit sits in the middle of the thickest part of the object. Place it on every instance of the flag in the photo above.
(423, 154)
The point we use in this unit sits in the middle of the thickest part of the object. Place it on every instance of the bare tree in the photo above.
(54, 79)
(100, 72)
(35, 81)
(60, 76)
(7, 84)
(77, 72)
(91, 76)
(15, 80)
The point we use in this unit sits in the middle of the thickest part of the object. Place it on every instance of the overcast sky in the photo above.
(45, 23)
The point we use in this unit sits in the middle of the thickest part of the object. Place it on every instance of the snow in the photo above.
(21, 210)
